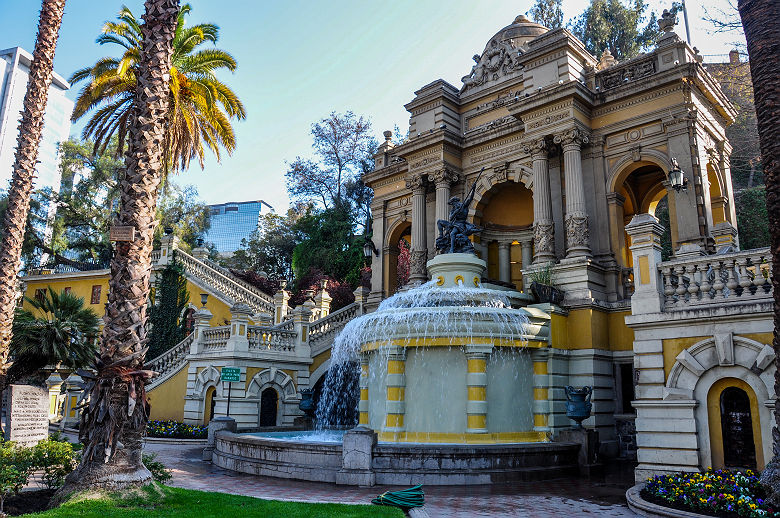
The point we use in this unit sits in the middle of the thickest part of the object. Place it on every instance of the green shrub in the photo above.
(15, 468)
(56, 459)
(159, 472)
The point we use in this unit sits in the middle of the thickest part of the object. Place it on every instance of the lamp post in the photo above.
(204, 297)
(677, 178)
(369, 248)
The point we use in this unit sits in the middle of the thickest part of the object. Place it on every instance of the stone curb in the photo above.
(644, 508)
(418, 512)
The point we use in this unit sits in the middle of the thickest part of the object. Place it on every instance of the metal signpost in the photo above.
(229, 375)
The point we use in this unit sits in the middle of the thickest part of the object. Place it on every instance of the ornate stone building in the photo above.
(573, 150)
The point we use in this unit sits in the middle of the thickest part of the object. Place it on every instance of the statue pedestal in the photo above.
(451, 270)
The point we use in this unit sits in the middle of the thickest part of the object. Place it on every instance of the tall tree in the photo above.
(548, 13)
(200, 107)
(761, 20)
(113, 423)
(342, 143)
(616, 25)
(30, 133)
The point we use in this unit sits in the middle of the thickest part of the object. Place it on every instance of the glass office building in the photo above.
(233, 222)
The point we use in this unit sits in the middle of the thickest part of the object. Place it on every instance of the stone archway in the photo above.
(207, 390)
(401, 229)
(283, 385)
(703, 367)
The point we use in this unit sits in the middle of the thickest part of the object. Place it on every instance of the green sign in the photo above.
(230, 374)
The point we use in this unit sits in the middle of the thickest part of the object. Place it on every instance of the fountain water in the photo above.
(445, 376)
(443, 362)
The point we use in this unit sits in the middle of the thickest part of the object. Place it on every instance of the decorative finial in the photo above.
(388, 135)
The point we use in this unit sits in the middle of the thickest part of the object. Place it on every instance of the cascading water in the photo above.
(434, 324)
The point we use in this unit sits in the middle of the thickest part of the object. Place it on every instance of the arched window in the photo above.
(739, 449)
(269, 402)
(210, 404)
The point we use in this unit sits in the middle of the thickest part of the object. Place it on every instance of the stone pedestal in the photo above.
(357, 451)
(451, 270)
(589, 446)
(217, 425)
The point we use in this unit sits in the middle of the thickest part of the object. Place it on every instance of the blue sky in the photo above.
(300, 60)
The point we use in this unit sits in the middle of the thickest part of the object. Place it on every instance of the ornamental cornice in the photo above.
(637, 99)
(389, 180)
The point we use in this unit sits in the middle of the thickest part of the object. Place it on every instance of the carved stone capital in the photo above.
(577, 234)
(501, 172)
(572, 137)
(537, 147)
(444, 176)
(416, 183)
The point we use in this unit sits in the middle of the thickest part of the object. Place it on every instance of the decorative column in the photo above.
(443, 178)
(504, 261)
(239, 319)
(395, 407)
(645, 233)
(363, 405)
(541, 380)
(544, 226)
(577, 235)
(419, 253)
(527, 252)
(322, 301)
(202, 318)
(281, 298)
(476, 382)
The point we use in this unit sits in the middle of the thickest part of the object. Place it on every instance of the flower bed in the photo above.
(175, 430)
(723, 493)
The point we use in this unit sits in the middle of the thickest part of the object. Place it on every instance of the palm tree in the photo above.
(761, 20)
(30, 132)
(114, 421)
(200, 107)
(59, 329)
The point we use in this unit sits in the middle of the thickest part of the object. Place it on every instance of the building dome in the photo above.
(520, 32)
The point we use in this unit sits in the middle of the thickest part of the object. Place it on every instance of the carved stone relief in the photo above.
(544, 238)
(577, 234)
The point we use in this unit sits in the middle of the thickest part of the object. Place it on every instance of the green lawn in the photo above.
(169, 502)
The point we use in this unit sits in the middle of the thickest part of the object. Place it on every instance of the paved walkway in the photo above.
(548, 499)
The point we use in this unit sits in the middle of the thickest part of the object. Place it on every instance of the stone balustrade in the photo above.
(716, 279)
(170, 360)
(222, 281)
(264, 338)
(324, 330)
(215, 338)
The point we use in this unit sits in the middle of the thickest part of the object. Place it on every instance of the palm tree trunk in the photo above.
(30, 132)
(113, 424)
(761, 20)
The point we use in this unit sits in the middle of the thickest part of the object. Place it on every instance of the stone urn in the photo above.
(307, 402)
(578, 405)
(545, 293)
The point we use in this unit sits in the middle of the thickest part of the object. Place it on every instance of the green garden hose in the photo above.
(404, 499)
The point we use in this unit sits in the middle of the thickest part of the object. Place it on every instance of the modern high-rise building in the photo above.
(232, 222)
(14, 74)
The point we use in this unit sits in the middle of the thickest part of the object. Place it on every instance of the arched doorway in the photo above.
(269, 405)
(397, 241)
(736, 421)
(210, 405)
(506, 212)
(639, 190)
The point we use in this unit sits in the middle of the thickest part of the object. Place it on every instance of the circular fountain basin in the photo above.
(306, 456)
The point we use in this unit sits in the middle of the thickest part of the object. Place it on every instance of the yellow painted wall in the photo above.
(219, 309)
(674, 346)
(80, 286)
(621, 337)
(591, 329)
(511, 206)
(714, 419)
(167, 399)
(319, 360)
